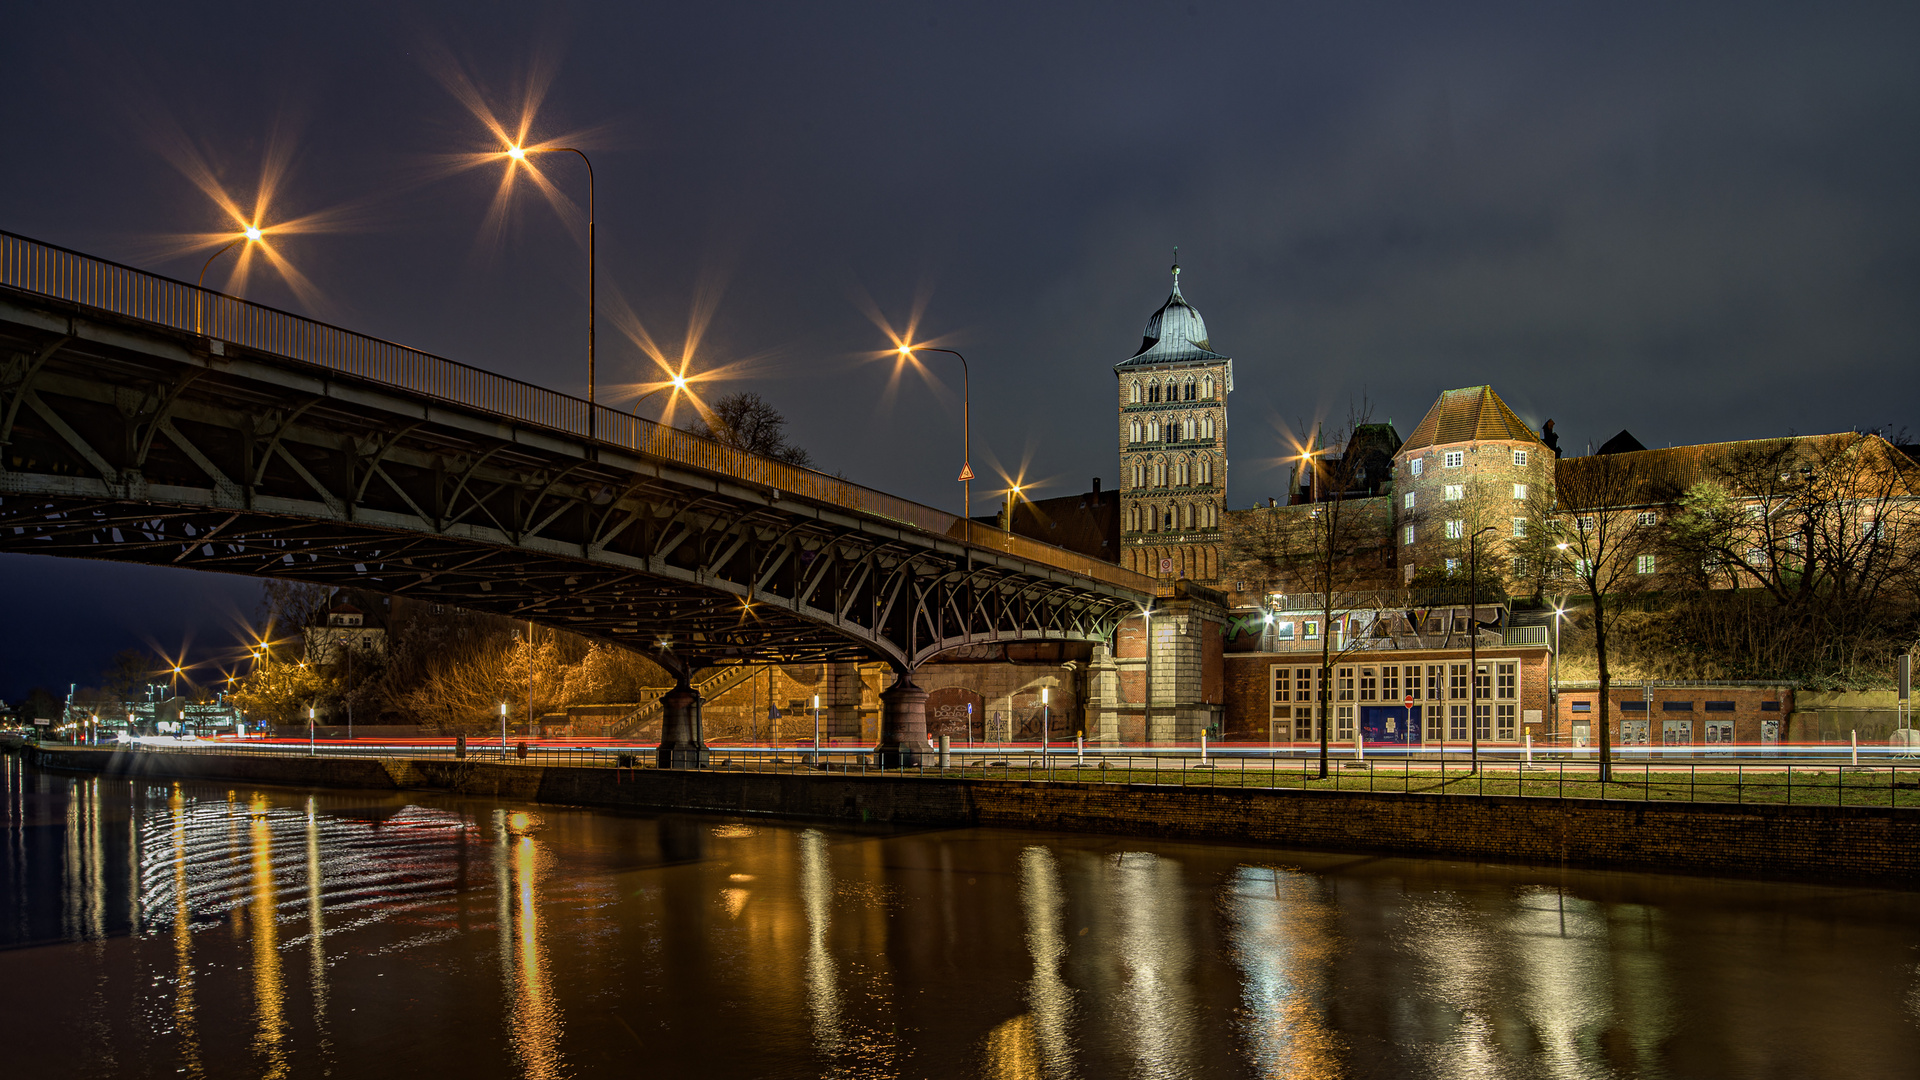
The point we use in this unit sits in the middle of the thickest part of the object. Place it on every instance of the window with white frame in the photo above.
(1390, 682)
(1343, 683)
(1369, 684)
(1643, 564)
(1584, 524)
(1482, 719)
(1310, 629)
(1453, 566)
(1519, 528)
(1436, 731)
(1506, 680)
(1521, 568)
(1503, 725)
(1456, 458)
(1456, 528)
(1343, 723)
(1416, 465)
(1407, 502)
(1406, 535)
(1520, 491)
(1457, 723)
(1454, 492)
(1648, 517)
(1520, 458)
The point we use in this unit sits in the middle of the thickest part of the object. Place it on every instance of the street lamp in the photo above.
(677, 383)
(966, 429)
(1473, 643)
(251, 234)
(1013, 495)
(310, 747)
(519, 153)
(503, 731)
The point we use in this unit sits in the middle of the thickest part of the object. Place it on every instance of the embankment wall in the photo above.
(1828, 843)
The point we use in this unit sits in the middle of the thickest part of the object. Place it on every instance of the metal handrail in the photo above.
(33, 266)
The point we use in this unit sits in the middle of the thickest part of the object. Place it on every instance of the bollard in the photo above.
(1359, 747)
(1079, 749)
(520, 751)
(1856, 745)
(946, 751)
(1203, 748)
(460, 746)
(1530, 747)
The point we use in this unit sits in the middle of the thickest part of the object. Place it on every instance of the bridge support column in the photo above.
(1103, 708)
(680, 744)
(903, 724)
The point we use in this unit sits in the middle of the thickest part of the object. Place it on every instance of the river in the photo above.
(202, 930)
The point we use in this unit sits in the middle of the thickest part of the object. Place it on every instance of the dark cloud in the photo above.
(1696, 221)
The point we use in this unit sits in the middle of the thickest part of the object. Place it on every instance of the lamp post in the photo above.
(1146, 711)
(966, 429)
(1473, 644)
(816, 729)
(503, 731)
(1046, 725)
(310, 718)
(519, 153)
(249, 235)
(1013, 496)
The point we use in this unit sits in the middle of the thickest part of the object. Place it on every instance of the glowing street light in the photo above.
(1013, 495)
(517, 154)
(907, 349)
(249, 235)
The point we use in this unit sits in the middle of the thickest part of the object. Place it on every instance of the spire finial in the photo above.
(1176, 264)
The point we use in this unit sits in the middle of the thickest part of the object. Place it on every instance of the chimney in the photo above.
(1096, 485)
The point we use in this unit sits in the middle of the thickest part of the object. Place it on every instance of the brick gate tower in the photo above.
(1173, 446)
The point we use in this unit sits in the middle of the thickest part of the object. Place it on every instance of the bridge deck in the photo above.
(47, 270)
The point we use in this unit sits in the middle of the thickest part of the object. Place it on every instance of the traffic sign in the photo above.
(1408, 700)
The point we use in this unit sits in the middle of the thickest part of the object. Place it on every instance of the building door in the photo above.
(1769, 733)
(1719, 736)
(1582, 734)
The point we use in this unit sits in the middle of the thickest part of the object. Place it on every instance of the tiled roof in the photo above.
(1467, 415)
(1649, 477)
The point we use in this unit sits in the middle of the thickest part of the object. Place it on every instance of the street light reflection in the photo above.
(1283, 939)
(269, 994)
(536, 1023)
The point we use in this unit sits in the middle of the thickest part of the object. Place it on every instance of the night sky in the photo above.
(1697, 221)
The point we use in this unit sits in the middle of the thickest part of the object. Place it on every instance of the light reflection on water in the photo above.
(180, 929)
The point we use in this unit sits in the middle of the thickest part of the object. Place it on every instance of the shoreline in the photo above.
(1829, 844)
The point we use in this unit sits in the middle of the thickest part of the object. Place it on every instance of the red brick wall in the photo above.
(1249, 681)
(1747, 711)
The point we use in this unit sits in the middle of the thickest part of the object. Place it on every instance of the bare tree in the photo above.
(747, 421)
(1605, 551)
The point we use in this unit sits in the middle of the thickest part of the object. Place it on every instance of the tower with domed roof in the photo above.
(1173, 446)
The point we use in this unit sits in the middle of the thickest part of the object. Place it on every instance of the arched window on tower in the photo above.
(1169, 519)
(1180, 472)
(1133, 432)
(1133, 392)
(1206, 427)
(1206, 388)
(1204, 471)
(1190, 388)
(1153, 431)
(1153, 391)
(1186, 429)
(1186, 517)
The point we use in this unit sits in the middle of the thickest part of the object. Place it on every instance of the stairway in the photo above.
(713, 686)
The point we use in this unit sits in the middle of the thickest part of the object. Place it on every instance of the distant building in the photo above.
(345, 626)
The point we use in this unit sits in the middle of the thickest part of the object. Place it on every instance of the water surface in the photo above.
(201, 930)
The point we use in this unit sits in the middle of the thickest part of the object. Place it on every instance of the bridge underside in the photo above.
(124, 441)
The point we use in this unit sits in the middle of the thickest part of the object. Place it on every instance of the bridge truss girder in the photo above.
(126, 442)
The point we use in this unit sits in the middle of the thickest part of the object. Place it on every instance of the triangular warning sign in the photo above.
(966, 471)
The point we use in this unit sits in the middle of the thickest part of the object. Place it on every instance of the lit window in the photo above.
(1520, 567)
(1643, 564)
(1520, 457)
(1520, 527)
(1409, 500)
(1648, 517)
(1456, 458)
(1454, 492)
(1416, 465)
(1310, 629)
(1407, 534)
(1456, 529)
(1519, 491)
(1584, 524)
(1453, 566)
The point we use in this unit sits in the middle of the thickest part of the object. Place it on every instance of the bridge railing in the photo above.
(45, 269)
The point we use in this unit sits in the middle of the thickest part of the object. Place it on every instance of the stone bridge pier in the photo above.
(681, 745)
(903, 724)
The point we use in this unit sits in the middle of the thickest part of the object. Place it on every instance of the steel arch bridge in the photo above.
(145, 420)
